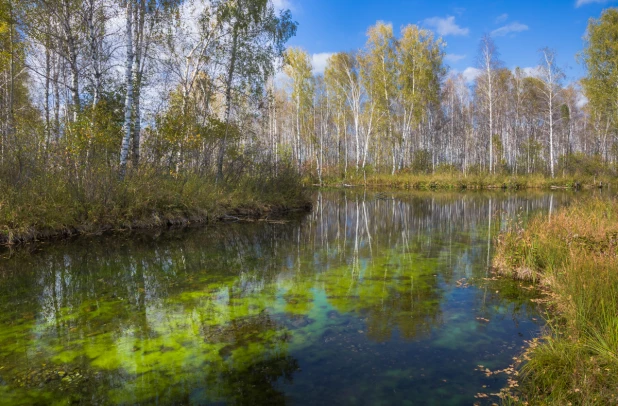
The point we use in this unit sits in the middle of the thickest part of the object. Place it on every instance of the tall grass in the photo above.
(457, 180)
(53, 204)
(574, 255)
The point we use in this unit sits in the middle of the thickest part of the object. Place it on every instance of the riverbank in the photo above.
(459, 181)
(573, 256)
(55, 208)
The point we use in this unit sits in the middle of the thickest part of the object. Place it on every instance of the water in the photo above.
(374, 298)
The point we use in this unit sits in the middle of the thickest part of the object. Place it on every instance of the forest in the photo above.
(104, 102)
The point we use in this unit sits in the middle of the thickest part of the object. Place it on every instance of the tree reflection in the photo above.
(217, 314)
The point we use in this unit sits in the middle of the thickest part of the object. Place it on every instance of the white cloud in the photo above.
(454, 57)
(470, 74)
(580, 3)
(581, 100)
(446, 26)
(509, 28)
(532, 71)
(318, 61)
(502, 18)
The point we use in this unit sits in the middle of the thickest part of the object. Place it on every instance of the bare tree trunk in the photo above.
(71, 43)
(11, 98)
(128, 103)
(47, 94)
(228, 104)
(137, 72)
(94, 52)
(298, 146)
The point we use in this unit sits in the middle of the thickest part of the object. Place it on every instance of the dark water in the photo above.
(373, 299)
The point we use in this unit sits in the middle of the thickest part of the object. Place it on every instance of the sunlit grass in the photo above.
(457, 180)
(574, 254)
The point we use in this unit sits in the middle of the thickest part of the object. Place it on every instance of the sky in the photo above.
(519, 28)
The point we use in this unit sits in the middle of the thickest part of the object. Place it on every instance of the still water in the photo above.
(372, 299)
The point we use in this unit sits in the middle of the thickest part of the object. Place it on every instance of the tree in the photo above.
(379, 69)
(298, 68)
(141, 21)
(254, 37)
(552, 77)
(488, 63)
(342, 72)
(334, 80)
(420, 73)
(600, 57)
(128, 103)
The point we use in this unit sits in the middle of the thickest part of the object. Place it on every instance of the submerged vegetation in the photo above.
(364, 300)
(573, 255)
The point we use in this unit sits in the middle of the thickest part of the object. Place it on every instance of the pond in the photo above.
(374, 298)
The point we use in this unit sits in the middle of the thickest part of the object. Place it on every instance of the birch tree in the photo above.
(552, 76)
(128, 101)
(298, 68)
(488, 63)
(343, 71)
(379, 69)
(600, 57)
(420, 69)
(254, 37)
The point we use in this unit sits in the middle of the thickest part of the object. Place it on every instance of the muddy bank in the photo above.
(162, 221)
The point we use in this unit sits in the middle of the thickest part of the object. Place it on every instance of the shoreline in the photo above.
(470, 182)
(572, 260)
(161, 221)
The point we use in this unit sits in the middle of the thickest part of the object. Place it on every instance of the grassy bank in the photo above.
(574, 256)
(459, 181)
(49, 206)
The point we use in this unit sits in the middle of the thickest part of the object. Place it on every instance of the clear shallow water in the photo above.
(374, 298)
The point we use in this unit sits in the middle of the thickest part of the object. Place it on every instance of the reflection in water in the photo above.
(374, 298)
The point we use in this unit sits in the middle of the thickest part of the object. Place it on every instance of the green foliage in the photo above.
(601, 58)
(421, 162)
(579, 164)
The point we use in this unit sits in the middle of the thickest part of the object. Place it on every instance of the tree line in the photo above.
(394, 106)
(192, 87)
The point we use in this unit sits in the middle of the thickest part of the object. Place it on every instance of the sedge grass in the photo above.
(574, 255)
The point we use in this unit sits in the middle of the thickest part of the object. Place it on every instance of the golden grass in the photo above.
(574, 255)
(459, 181)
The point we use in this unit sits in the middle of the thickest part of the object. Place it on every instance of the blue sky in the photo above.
(520, 28)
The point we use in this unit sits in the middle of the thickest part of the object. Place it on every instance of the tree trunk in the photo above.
(228, 103)
(128, 103)
(140, 49)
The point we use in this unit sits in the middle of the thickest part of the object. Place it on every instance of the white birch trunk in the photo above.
(128, 103)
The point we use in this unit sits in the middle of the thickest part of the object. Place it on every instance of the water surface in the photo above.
(373, 298)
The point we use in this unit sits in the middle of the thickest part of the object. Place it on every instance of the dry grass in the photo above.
(458, 181)
(52, 206)
(573, 254)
